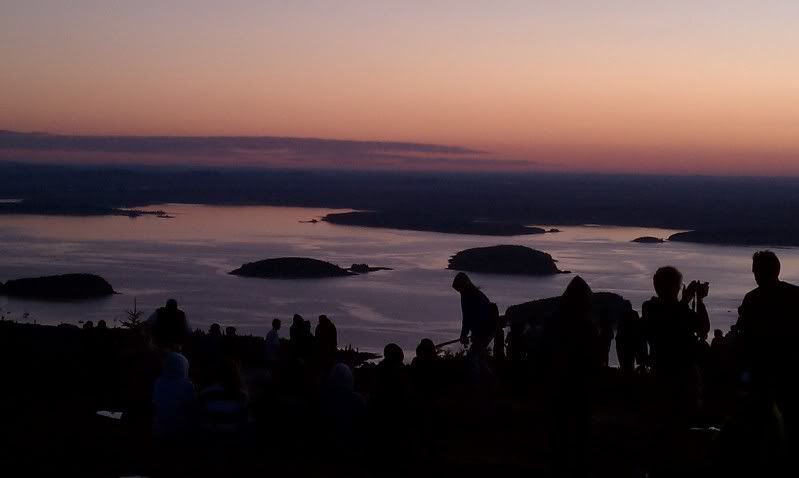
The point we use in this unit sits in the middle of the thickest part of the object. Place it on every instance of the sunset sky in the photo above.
(700, 86)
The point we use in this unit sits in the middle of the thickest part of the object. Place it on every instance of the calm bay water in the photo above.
(188, 257)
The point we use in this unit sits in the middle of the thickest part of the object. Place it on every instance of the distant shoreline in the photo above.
(724, 211)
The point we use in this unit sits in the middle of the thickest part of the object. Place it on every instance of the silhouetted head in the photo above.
(230, 331)
(628, 306)
(323, 319)
(392, 353)
(667, 282)
(576, 299)
(341, 378)
(215, 330)
(88, 325)
(172, 304)
(276, 324)
(766, 268)
(426, 349)
(462, 282)
(101, 324)
(718, 333)
(297, 320)
(176, 366)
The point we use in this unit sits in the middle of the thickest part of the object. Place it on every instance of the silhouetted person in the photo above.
(173, 400)
(230, 344)
(628, 339)
(215, 330)
(573, 360)
(480, 321)
(169, 327)
(606, 333)
(425, 371)
(296, 330)
(326, 340)
(768, 327)
(388, 404)
(223, 403)
(308, 340)
(499, 344)
(671, 328)
(343, 414)
(88, 325)
(102, 325)
(272, 343)
(673, 331)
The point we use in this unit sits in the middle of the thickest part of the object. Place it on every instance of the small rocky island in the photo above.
(300, 268)
(505, 259)
(58, 287)
(366, 268)
(648, 240)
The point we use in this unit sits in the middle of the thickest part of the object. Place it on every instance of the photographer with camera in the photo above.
(673, 325)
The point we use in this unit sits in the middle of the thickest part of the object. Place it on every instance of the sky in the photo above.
(679, 87)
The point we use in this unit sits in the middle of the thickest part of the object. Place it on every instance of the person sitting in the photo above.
(173, 400)
(343, 412)
(224, 403)
(169, 327)
(424, 368)
(391, 382)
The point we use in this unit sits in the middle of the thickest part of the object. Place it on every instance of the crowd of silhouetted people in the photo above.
(228, 395)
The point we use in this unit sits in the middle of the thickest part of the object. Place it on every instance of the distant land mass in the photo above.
(720, 210)
(741, 236)
(415, 221)
(504, 259)
(58, 287)
(648, 240)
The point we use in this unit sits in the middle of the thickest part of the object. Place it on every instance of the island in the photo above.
(505, 259)
(415, 221)
(300, 268)
(787, 236)
(648, 240)
(59, 287)
(291, 268)
(366, 268)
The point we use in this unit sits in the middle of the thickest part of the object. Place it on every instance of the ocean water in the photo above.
(188, 257)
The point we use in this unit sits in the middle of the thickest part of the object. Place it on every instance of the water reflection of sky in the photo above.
(188, 257)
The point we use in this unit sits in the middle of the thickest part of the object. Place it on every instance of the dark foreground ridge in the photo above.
(413, 221)
(291, 268)
(532, 392)
(64, 287)
(504, 259)
(648, 240)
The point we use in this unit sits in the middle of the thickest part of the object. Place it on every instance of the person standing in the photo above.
(272, 343)
(169, 327)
